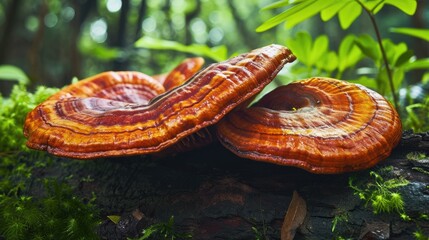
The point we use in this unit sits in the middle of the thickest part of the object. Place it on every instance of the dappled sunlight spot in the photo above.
(32, 24)
(199, 30)
(98, 31)
(67, 14)
(178, 21)
(50, 20)
(216, 35)
(149, 24)
(113, 5)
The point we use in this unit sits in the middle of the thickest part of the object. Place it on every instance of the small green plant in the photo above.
(163, 231)
(418, 116)
(260, 232)
(342, 238)
(381, 194)
(416, 156)
(419, 235)
(338, 219)
(418, 159)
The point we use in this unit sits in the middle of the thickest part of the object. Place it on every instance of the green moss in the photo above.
(57, 213)
(13, 111)
(381, 193)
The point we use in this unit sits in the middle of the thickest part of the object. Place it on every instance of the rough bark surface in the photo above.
(215, 195)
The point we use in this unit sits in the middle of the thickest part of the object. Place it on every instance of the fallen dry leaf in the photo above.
(295, 216)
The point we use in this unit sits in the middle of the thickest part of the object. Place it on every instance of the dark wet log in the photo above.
(215, 195)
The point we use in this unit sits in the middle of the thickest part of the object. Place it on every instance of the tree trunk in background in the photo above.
(241, 26)
(35, 72)
(8, 28)
(214, 194)
(141, 15)
(121, 36)
(188, 18)
(421, 47)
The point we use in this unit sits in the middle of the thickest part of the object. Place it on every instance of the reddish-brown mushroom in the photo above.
(179, 75)
(129, 87)
(321, 125)
(182, 72)
(89, 125)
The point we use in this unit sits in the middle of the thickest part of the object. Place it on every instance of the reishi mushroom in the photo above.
(322, 125)
(86, 120)
(182, 72)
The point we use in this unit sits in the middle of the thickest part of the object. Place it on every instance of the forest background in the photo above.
(54, 41)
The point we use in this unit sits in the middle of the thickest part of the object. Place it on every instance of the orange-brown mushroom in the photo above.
(84, 126)
(321, 125)
(180, 74)
(130, 87)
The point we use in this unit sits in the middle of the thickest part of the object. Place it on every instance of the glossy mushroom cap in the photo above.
(180, 74)
(321, 125)
(129, 87)
(84, 126)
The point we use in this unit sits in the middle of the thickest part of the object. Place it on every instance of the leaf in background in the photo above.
(319, 48)
(348, 53)
(383, 82)
(417, 64)
(396, 54)
(275, 5)
(407, 6)
(310, 10)
(328, 62)
(114, 218)
(349, 13)
(218, 53)
(301, 46)
(276, 20)
(415, 32)
(398, 77)
(374, 6)
(9, 72)
(298, 12)
(348, 10)
(98, 50)
(366, 81)
(404, 58)
(369, 47)
(329, 12)
(425, 78)
(294, 217)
